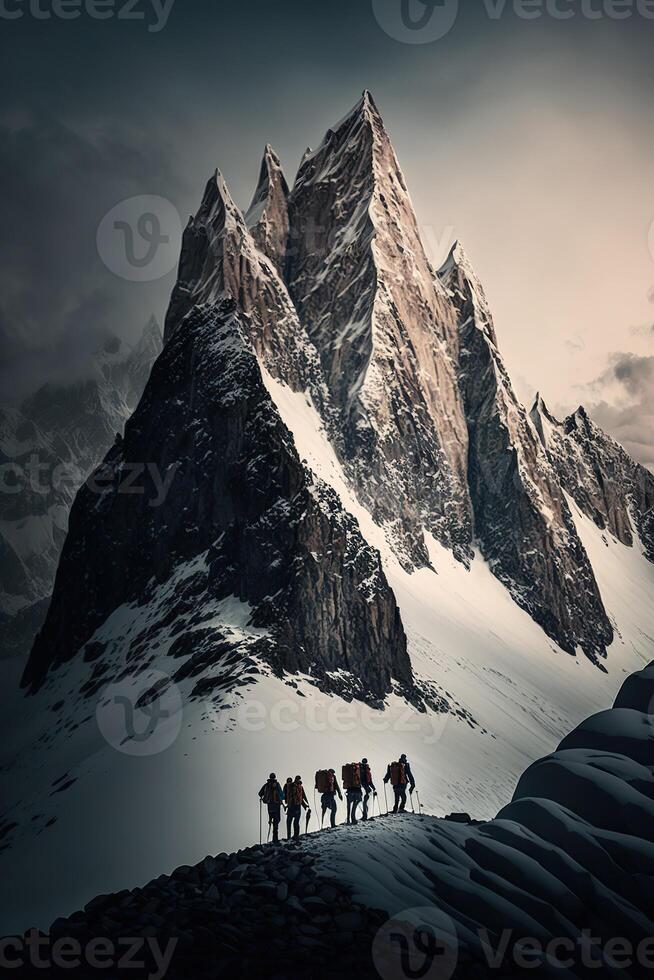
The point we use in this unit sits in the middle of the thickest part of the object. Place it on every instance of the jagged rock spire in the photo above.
(542, 419)
(267, 216)
(366, 293)
(459, 277)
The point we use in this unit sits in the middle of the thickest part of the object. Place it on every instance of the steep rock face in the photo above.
(220, 259)
(49, 446)
(267, 216)
(237, 493)
(605, 482)
(522, 520)
(363, 288)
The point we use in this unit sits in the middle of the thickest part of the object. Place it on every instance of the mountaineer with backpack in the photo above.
(367, 786)
(327, 786)
(295, 798)
(351, 773)
(272, 795)
(399, 775)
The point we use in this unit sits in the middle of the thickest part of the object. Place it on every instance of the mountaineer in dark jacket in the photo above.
(353, 796)
(272, 795)
(400, 775)
(328, 799)
(295, 798)
(367, 786)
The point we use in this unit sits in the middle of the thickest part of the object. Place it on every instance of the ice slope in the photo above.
(466, 632)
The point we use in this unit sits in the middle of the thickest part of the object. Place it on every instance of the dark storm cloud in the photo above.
(58, 302)
(632, 424)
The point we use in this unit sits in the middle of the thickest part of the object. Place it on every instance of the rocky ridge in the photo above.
(610, 487)
(521, 518)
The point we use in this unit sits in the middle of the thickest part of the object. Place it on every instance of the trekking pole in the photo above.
(385, 799)
(260, 831)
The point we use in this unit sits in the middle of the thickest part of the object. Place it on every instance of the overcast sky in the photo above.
(531, 140)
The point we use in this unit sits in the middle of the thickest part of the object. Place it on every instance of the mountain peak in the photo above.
(579, 419)
(458, 276)
(151, 340)
(543, 420)
(267, 216)
(216, 201)
(540, 406)
(364, 108)
(151, 329)
(457, 258)
(270, 175)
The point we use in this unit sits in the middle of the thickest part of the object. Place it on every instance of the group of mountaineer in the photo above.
(357, 783)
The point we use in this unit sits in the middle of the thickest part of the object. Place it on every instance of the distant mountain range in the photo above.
(48, 447)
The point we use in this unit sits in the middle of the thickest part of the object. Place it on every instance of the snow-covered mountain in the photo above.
(353, 538)
(48, 447)
(611, 488)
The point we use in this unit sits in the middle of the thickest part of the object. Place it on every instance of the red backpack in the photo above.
(366, 775)
(398, 774)
(294, 794)
(352, 775)
(325, 781)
